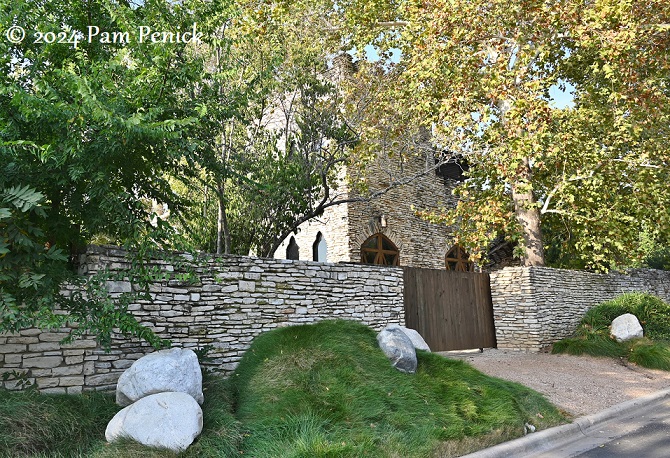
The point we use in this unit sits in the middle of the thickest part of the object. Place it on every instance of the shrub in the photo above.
(592, 336)
(659, 259)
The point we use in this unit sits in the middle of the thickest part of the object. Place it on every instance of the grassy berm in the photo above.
(323, 390)
(592, 336)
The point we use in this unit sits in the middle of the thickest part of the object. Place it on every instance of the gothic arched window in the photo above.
(458, 259)
(379, 249)
(292, 250)
(319, 249)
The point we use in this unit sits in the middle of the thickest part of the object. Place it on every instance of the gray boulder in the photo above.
(413, 335)
(626, 327)
(398, 348)
(175, 369)
(164, 420)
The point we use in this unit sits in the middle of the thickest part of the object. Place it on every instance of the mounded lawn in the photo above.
(323, 390)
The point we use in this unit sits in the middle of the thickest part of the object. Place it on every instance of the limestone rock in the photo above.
(626, 327)
(175, 369)
(398, 348)
(413, 335)
(167, 420)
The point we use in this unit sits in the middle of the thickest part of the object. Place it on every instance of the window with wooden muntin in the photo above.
(458, 259)
(379, 249)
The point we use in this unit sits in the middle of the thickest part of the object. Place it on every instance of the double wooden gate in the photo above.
(451, 310)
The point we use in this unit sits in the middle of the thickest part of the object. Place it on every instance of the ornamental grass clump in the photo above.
(592, 336)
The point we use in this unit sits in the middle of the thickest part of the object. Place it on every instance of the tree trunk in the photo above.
(528, 216)
(223, 239)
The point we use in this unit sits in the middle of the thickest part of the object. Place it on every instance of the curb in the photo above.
(551, 438)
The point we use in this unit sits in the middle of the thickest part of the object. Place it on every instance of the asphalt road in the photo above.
(644, 433)
(650, 441)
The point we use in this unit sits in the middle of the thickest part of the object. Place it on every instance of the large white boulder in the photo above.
(418, 341)
(626, 327)
(167, 420)
(398, 348)
(174, 369)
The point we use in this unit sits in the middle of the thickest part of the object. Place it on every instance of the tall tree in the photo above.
(479, 76)
(273, 137)
(91, 128)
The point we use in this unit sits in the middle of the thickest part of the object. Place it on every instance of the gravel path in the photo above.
(580, 385)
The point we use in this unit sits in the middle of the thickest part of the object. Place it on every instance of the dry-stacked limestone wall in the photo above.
(534, 307)
(233, 300)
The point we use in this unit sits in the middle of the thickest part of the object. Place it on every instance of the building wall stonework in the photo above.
(534, 307)
(334, 228)
(393, 213)
(232, 301)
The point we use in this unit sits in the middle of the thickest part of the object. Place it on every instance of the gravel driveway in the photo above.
(580, 385)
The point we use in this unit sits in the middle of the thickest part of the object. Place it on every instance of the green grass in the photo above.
(323, 390)
(327, 390)
(592, 336)
(54, 425)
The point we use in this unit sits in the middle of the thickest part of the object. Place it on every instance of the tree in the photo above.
(272, 136)
(479, 76)
(89, 131)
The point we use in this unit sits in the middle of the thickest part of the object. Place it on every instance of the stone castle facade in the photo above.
(340, 234)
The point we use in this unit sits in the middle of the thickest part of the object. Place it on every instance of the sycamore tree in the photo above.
(583, 180)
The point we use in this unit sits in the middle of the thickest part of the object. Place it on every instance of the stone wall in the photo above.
(534, 307)
(233, 300)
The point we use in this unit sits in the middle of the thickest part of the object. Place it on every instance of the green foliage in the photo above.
(313, 390)
(271, 135)
(30, 272)
(653, 313)
(94, 129)
(88, 136)
(654, 355)
(54, 426)
(481, 78)
(658, 259)
(33, 277)
(592, 337)
(592, 344)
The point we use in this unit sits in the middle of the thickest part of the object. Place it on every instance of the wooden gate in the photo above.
(451, 310)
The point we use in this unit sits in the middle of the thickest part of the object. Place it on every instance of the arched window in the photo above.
(319, 249)
(378, 249)
(292, 250)
(458, 259)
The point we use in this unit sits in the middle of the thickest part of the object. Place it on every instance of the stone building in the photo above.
(386, 230)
